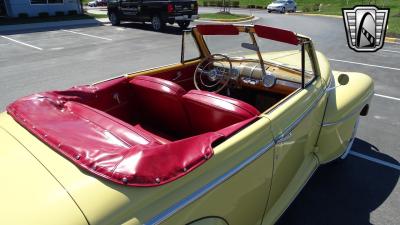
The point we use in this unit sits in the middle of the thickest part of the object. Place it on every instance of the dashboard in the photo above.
(277, 79)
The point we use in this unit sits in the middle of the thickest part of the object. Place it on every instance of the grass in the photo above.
(15, 21)
(334, 7)
(221, 16)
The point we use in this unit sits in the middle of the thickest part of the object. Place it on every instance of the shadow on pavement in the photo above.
(345, 192)
(168, 29)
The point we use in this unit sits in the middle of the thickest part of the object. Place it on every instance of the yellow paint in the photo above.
(240, 199)
(294, 158)
(392, 40)
(28, 188)
(29, 194)
(344, 106)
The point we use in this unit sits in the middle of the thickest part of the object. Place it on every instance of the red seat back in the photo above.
(159, 104)
(211, 112)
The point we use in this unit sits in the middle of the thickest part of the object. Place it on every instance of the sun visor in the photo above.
(217, 29)
(276, 34)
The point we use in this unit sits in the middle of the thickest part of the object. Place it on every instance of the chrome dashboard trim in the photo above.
(207, 188)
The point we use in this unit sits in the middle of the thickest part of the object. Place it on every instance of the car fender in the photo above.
(344, 106)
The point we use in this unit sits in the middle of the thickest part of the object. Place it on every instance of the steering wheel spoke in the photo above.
(211, 74)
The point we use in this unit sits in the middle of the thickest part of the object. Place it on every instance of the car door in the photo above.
(130, 8)
(295, 124)
(234, 184)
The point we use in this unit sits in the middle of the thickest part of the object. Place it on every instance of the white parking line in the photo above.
(22, 43)
(364, 64)
(389, 97)
(88, 35)
(372, 159)
(390, 51)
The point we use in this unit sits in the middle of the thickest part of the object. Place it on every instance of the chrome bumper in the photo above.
(186, 18)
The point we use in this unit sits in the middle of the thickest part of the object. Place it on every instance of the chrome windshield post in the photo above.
(303, 65)
(253, 39)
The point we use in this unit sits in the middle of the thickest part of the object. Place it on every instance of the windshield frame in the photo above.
(306, 46)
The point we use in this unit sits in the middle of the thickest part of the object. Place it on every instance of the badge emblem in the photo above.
(365, 27)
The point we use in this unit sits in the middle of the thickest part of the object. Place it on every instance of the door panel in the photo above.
(295, 125)
(241, 198)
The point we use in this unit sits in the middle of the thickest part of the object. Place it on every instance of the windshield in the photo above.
(274, 52)
(279, 1)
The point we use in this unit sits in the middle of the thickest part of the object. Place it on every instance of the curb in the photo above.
(392, 40)
(229, 20)
(52, 25)
(242, 20)
(323, 15)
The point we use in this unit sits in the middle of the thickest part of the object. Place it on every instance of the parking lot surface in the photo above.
(363, 189)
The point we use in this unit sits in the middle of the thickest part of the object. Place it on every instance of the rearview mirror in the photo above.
(250, 46)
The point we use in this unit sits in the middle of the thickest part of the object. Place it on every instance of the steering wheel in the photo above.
(212, 73)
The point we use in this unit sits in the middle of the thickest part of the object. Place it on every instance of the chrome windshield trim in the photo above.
(207, 188)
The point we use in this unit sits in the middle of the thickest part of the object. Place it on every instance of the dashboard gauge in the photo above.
(269, 79)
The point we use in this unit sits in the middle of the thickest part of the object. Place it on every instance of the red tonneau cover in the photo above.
(107, 146)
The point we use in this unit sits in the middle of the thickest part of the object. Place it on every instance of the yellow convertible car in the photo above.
(225, 137)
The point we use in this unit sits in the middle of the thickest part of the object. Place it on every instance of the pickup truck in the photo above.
(158, 13)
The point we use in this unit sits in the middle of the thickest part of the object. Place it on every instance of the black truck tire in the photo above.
(157, 23)
(114, 18)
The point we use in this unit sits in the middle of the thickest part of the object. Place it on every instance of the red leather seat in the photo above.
(211, 112)
(159, 105)
(103, 122)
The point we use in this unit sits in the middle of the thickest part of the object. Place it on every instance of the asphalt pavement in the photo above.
(356, 191)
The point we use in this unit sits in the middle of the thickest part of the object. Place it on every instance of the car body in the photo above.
(92, 4)
(282, 6)
(97, 3)
(160, 146)
(158, 13)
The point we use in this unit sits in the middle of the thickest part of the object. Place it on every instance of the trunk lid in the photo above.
(29, 193)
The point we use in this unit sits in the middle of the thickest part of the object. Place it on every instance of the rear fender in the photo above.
(344, 106)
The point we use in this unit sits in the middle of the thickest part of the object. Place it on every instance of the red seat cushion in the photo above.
(115, 128)
(211, 112)
(159, 104)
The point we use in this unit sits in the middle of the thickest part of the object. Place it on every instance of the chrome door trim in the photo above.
(207, 188)
(281, 138)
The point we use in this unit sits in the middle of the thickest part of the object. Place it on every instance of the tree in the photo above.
(225, 6)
